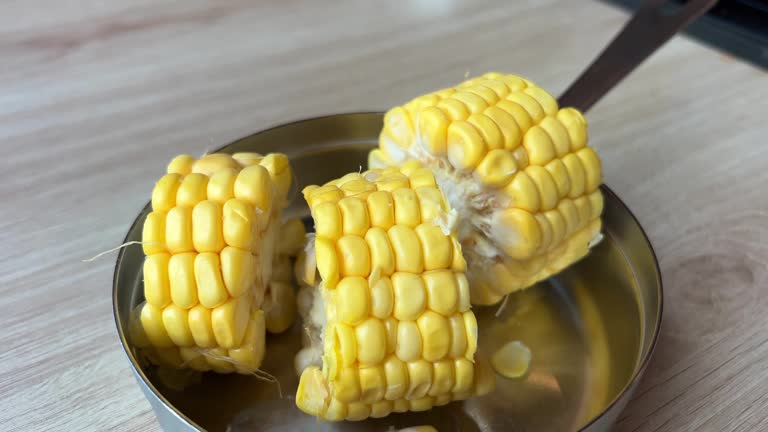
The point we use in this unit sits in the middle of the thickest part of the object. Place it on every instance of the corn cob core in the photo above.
(391, 318)
(209, 244)
(516, 168)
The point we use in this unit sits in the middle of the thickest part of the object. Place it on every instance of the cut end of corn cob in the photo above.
(389, 325)
(514, 165)
(210, 244)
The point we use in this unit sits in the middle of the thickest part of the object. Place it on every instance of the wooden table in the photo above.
(95, 97)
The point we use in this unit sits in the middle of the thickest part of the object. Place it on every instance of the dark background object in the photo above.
(737, 27)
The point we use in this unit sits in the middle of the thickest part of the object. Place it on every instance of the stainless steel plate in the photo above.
(591, 329)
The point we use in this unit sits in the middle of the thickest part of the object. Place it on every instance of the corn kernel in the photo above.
(247, 158)
(523, 193)
(521, 116)
(153, 233)
(156, 283)
(518, 233)
(352, 301)
(192, 190)
(239, 225)
(592, 168)
(438, 250)
(207, 231)
(435, 336)
(571, 215)
(410, 296)
(470, 324)
(407, 249)
(354, 216)
(181, 164)
(181, 272)
(345, 343)
(346, 387)
(576, 126)
(211, 291)
(382, 297)
(164, 192)
(230, 320)
(254, 186)
(175, 323)
(354, 256)
(546, 186)
(221, 185)
(419, 379)
(372, 384)
(152, 322)
(407, 211)
(358, 411)
(390, 324)
(408, 341)
(466, 147)
(327, 262)
(200, 325)
(497, 168)
(381, 408)
(464, 373)
(442, 291)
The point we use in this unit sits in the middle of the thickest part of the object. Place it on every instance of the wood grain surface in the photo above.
(96, 96)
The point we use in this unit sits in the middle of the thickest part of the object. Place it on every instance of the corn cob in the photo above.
(391, 318)
(209, 244)
(280, 299)
(516, 168)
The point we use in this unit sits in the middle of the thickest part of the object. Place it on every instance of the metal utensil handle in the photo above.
(648, 29)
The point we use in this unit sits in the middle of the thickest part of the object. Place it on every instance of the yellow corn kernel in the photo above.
(531, 105)
(178, 230)
(546, 186)
(192, 190)
(410, 296)
(513, 82)
(421, 178)
(521, 116)
(207, 234)
(442, 291)
(508, 126)
(419, 379)
(570, 214)
(381, 408)
(436, 339)
(280, 307)
(431, 202)
(279, 170)
(576, 126)
(463, 292)
(421, 404)
(153, 233)
(400, 405)
(381, 209)
(200, 324)
(327, 262)
(592, 169)
(407, 249)
(230, 320)
(557, 134)
(345, 342)
(372, 384)
(583, 209)
(238, 269)
(523, 193)
(547, 102)
(192, 358)
(152, 322)
(408, 167)
(398, 123)
(396, 377)
(336, 410)
(488, 95)
(539, 146)
(354, 256)
(559, 173)
(358, 411)
(558, 225)
(358, 188)
(254, 186)
(249, 355)
(181, 164)
(390, 324)
(458, 264)
(458, 336)
(352, 300)
(576, 175)
(181, 272)
(442, 378)
(381, 254)
(433, 130)
(156, 284)
(473, 102)
(407, 210)
(164, 192)
(470, 324)
(317, 195)
(466, 147)
(497, 168)
(596, 204)
(454, 109)
(438, 250)
(546, 230)
(512, 360)
(247, 158)
(177, 327)
(382, 297)
(354, 216)
(464, 373)
(346, 387)
(489, 131)
(212, 163)
(521, 235)
(211, 291)
(408, 341)
(239, 225)
(371, 342)
(221, 185)
(216, 359)
(327, 217)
